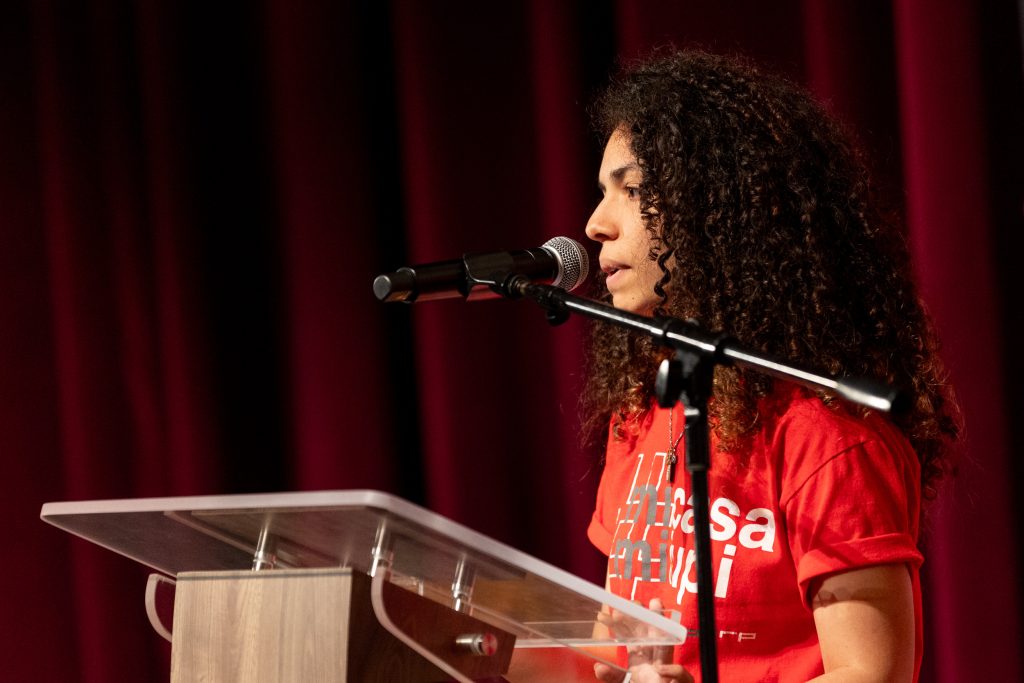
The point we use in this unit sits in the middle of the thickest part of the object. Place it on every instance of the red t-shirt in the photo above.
(820, 491)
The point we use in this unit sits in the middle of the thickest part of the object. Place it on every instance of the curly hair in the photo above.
(777, 240)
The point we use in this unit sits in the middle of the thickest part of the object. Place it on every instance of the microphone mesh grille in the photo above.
(573, 262)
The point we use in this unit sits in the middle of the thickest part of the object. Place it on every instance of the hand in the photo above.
(645, 673)
(647, 664)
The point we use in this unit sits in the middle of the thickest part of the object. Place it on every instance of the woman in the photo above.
(731, 198)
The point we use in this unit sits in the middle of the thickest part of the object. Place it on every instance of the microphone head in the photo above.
(573, 262)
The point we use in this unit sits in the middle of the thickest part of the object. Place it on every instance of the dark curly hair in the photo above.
(766, 208)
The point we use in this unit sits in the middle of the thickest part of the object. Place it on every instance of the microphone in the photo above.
(560, 262)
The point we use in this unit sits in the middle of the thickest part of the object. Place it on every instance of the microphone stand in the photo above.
(688, 378)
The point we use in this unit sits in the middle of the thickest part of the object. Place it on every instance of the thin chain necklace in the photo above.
(671, 458)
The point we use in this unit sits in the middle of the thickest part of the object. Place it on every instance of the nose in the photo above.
(602, 226)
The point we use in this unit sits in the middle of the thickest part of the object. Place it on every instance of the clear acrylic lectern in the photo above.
(358, 586)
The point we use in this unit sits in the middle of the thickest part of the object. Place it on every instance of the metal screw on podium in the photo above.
(265, 556)
(484, 644)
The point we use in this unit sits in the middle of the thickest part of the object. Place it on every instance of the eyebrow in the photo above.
(619, 173)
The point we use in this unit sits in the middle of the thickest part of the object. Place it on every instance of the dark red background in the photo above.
(195, 197)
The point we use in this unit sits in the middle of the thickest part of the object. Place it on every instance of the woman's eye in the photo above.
(632, 192)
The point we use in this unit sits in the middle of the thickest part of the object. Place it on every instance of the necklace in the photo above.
(673, 442)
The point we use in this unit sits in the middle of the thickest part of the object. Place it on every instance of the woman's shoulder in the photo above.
(802, 421)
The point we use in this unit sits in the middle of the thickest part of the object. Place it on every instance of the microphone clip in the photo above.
(517, 286)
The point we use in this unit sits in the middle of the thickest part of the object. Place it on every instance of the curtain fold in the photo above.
(947, 177)
(329, 165)
(470, 176)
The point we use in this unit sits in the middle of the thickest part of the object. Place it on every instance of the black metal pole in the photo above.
(689, 380)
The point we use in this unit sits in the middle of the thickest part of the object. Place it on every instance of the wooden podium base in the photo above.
(281, 626)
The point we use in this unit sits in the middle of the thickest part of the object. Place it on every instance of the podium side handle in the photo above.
(152, 585)
(377, 601)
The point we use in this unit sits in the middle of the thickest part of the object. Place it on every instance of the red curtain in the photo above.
(195, 198)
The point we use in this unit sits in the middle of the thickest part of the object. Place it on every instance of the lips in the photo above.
(614, 271)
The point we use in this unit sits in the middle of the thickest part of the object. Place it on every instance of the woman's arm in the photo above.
(865, 623)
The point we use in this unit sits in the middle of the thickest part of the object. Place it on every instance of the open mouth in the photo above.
(613, 274)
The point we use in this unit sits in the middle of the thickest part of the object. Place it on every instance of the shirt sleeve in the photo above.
(610, 490)
(599, 531)
(599, 534)
(859, 508)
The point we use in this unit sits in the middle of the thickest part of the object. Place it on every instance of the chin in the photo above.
(633, 306)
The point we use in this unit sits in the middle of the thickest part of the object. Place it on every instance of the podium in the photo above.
(357, 586)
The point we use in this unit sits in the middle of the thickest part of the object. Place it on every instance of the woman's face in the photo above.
(618, 226)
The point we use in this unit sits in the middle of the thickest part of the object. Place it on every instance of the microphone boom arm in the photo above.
(683, 335)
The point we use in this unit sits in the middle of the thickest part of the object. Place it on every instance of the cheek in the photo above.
(634, 231)
(652, 273)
